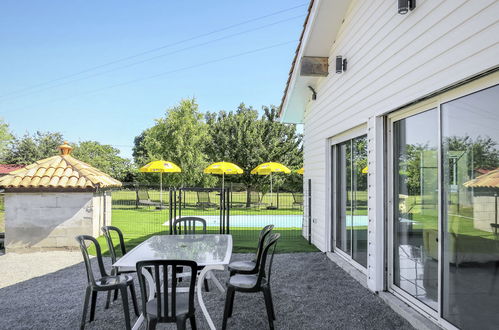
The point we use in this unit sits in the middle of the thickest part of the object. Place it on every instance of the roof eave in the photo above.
(319, 32)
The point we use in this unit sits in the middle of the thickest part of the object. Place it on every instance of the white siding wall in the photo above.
(392, 60)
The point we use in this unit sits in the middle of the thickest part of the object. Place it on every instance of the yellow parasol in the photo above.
(160, 166)
(268, 169)
(222, 168)
(301, 171)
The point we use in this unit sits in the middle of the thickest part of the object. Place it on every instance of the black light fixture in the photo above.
(406, 5)
(341, 64)
(314, 93)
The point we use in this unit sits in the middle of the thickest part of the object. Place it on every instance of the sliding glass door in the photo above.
(350, 211)
(444, 187)
(415, 204)
(470, 155)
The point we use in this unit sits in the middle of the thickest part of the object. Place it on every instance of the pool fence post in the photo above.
(310, 211)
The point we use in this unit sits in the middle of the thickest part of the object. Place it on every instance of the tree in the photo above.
(245, 139)
(30, 148)
(180, 137)
(283, 144)
(5, 138)
(105, 158)
(483, 152)
(236, 137)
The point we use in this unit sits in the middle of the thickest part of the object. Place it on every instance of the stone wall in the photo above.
(484, 212)
(48, 221)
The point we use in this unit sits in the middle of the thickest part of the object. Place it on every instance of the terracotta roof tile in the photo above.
(35, 181)
(58, 172)
(488, 180)
(72, 181)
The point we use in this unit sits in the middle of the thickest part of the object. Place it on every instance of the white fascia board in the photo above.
(325, 20)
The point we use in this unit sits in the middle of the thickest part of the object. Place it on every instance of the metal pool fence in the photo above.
(144, 210)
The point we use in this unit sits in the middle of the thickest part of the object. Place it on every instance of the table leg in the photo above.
(138, 323)
(215, 280)
(199, 289)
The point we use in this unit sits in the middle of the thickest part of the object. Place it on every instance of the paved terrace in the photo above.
(309, 292)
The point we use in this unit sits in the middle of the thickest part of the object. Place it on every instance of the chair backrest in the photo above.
(255, 197)
(107, 234)
(164, 273)
(187, 226)
(265, 267)
(203, 197)
(82, 240)
(261, 242)
(143, 195)
(298, 197)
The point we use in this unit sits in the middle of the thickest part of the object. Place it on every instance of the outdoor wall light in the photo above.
(314, 93)
(406, 5)
(341, 64)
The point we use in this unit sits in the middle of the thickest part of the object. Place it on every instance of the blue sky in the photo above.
(103, 70)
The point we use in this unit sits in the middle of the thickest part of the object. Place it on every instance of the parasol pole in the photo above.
(271, 194)
(160, 188)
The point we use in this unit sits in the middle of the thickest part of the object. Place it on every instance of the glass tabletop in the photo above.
(203, 249)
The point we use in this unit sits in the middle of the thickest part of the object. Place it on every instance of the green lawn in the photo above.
(138, 224)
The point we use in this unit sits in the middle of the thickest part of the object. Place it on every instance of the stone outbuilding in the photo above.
(53, 200)
(485, 200)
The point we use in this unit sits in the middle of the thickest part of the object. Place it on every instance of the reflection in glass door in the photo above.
(351, 198)
(415, 208)
(457, 275)
(470, 252)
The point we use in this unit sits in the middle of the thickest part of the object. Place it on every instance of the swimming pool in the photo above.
(278, 220)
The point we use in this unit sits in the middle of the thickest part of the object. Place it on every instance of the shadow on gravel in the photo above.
(309, 292)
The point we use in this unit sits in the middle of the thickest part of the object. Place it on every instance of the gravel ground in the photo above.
(309, 292)
(19, 267)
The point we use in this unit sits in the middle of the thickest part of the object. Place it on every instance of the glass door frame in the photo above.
(333, 172)
(429, 104)
(399, 292)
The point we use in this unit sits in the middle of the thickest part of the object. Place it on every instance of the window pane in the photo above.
(351, 200)
(343, 207)
(470, 136)
(416, 206)
(359, 200)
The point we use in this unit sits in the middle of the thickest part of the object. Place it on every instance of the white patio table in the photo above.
(211, 251)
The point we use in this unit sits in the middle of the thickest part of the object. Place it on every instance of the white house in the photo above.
(400, 106)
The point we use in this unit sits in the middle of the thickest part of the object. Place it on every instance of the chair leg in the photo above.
(227, 307)
(92, 306)
(108, 299)
(126, 311)
(134, 299)
(192, 319)
(85, 307)
(271, 303)
(268, 304)
(181, 323)
(151, 323)
(115, 295)
(231, 306)
(206, 287)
